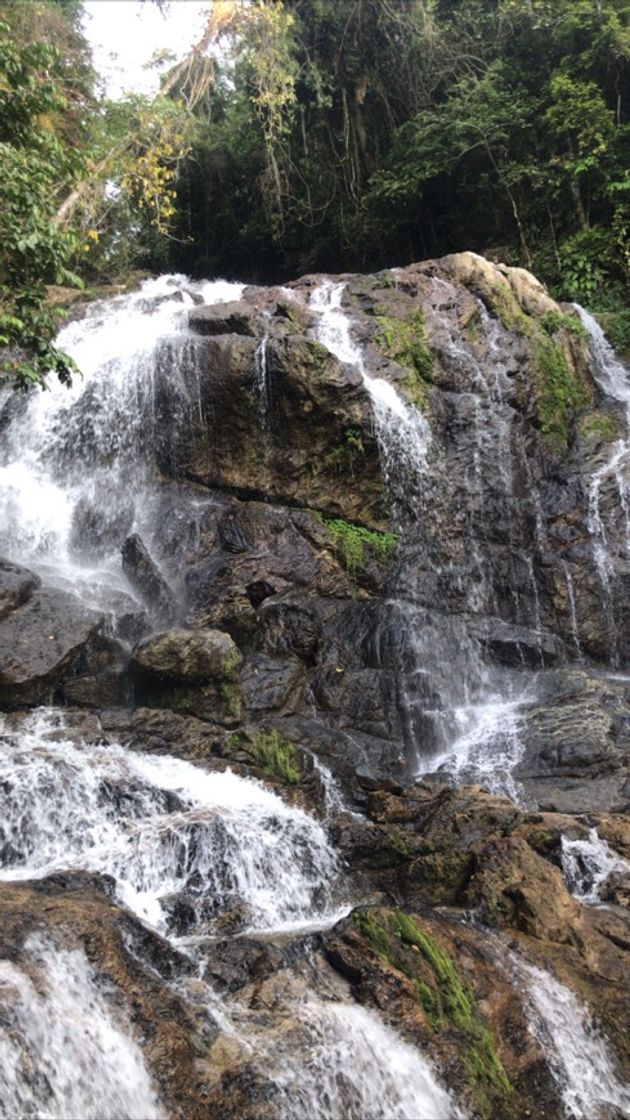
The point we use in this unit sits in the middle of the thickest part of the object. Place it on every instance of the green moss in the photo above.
(598, 424)
(447, 1002)
(555, 321)
(351, 450)
(403, 340)
(354, 539)
(231, 699)
(542, 841)
(504, 304)
(558, 391)
(231, 663)
(276, 756)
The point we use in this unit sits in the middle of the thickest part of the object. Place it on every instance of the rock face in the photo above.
(421, 617)
(45, 641)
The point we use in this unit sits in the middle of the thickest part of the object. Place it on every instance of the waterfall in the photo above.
(261, 382)
(66, 1050)
(613, 378)
(65, 447)
(461, 718)
(587, 864)
(358, 1068)
(196, 854)
(402, 432)
(578, 1055)
(572, 610)
(174, 837)
(193, 853)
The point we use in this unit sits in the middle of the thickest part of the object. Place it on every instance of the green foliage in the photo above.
(354, 135)
(616, 324)
(33, 251)
(448, 1002)
(555, 321)
(600, 425)
(276, 756)
(354, 539)
(345, 458)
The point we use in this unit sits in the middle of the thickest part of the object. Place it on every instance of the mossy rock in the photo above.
(271, 752)
(447, 1002)
(402, 338)
(357, 545)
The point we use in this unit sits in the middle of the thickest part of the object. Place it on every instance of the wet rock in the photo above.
(44, 642)
(98, 690)
(194, 656)
(270, 684)
(518, 646)
(319, 407)
(414, 969)
(234, 317)
(195, 672)
(577, 743)
(145, 576)
(96, 531)
(17, 585)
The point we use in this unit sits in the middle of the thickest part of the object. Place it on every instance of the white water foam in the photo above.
(67, 446)
(358, 1068)
(169, 832)
(487, 748)
(577, 1053)
(66, 1049)
(587, 864)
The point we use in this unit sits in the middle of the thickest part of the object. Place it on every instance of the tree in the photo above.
(40, 155)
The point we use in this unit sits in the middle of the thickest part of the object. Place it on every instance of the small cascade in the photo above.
(402, 432)
(66, 447)
(487, 749)
(578, 1054)
(183, 845)
(261, 383)
(571, 602)
(588, 864)
(613, 378)
(357, 1068)
(66, 1049)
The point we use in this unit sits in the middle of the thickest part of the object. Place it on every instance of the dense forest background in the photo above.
(317, 135)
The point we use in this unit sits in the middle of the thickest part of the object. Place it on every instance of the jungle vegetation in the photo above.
(304, 135)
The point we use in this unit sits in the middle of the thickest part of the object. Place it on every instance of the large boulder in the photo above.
(195, 672)
(49, 639)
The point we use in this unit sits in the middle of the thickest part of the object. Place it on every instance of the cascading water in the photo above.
(62, 449)
(578, 1055)
(588, 864)
(171, 835)
(59, 1020)
(180, 847)
(402, 432)
(613, 476)
(460, 718)
(357, 1068)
